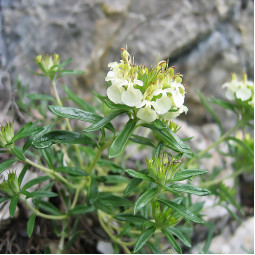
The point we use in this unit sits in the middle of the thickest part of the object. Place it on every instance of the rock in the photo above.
(105, 247)
(239, 242)
(206, 40)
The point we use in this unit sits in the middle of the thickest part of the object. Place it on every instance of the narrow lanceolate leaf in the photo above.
(63, 137)
(81, 209)
(132, 186)
(171, 240)
(114, 201)
(104, 121)
(74, 113)
(35, 181)
(138, 175)
(121, 140)
(180, 235)
(130, 217)
(78, 101)
(189, 189)
(3, 199)
(188, 173)
(41, 193)
(24, 131)
(141, 140)
(6, 164)
(144, 237)
(182, 211)
(30, 225)
(145, 198)
(48, 207)
(13, 205)
(22, 174)
(41, 97)
(18, 154)
(71, 171)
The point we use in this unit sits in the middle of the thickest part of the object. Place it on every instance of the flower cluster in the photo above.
(243, 90)
(154, 92)
(10, 187)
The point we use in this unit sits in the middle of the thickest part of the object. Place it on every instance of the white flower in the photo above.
(231, 89)
(164, 103)
(243, 93)
(173, 115)
(146, 113)
(114, 93)
(132, 96)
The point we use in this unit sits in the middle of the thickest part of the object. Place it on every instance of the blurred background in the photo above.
(206, 41)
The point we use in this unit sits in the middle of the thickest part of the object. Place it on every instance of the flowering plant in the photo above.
(132, 205)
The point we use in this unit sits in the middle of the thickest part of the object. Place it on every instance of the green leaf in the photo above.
(112, 179)
(168, 136)
(62, 137)
(3, 199)
(224, 104)
(112, 200)
(182, 211)
(189, 189)
(209, 109)
(18, 154)
(188, 173)
(81, 209)
(35, 181)
(171, 240)
(13, 205)
(69, 72)
(6, 164)
(180, 235)
(209, 238)
(138, 175)
(37, 132)
(78, 101)
(41, 97)
(64, 63)
(132, 186)
(92, 195)
(71, 171)
(130, 217)
(114, 106)
(48, 155)
(141, 140)
(74, 113)
(48, 207)
(30, 225)
(25, 131)
(145, 198)
(144, 237)
(41, 193)
(22, 174)
(104, 121)
(121, 140)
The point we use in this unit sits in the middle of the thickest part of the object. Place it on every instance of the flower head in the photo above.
(6, 134)
(10, 186)
(154, 92)
(243, 90)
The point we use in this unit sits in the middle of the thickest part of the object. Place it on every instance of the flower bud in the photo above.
(10, 186)
(6, 134)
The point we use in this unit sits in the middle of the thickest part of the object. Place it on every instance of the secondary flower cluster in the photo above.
(243, 90)
(155, 92)
(6, 134)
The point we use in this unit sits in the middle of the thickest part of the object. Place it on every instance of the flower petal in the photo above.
(243, 94)
(110, 76)
(114, 94)
(178, 98)
(173, 115)
(147, 114)
(132, 97)
(164, 104)
(230, 95)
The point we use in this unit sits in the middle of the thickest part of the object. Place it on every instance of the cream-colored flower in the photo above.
(174, 114)
(148, 112)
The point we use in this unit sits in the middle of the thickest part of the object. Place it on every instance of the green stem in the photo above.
(62, 239)
(43, 215)
(50, 172)
(69, 128)
(216, 143)
(114, 238)
(75, 197)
